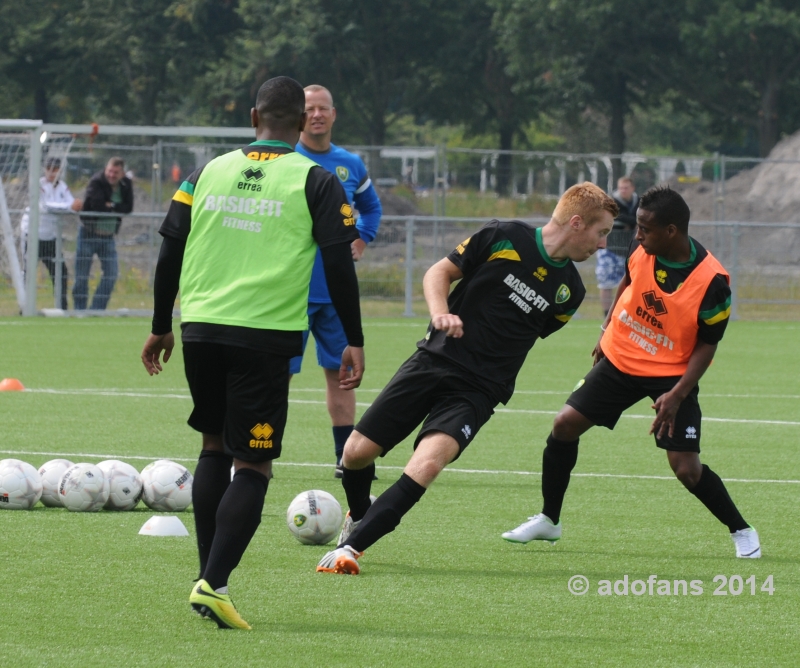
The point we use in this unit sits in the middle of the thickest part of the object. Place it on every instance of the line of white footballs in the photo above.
(314, 517)
(162, 485)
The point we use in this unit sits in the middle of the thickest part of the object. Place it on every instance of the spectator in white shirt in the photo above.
(54, 198)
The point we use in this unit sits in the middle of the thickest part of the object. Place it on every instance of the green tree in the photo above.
(434, 59)
(367, 53)
(34, 45)
(740, 61)
(470, 82)
(142, 58)
(603, 56)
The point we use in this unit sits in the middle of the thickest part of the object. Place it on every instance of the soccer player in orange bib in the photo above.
(668, 316)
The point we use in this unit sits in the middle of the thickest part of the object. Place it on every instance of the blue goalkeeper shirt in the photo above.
(353, 175)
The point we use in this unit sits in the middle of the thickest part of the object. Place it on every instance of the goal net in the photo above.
(15, 178)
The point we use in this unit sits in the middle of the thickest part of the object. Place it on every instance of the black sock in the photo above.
(340, 436)
(711, 491)
(238, 517)
(385, 514)
(211, 478)
(558, 460)
(357, 485)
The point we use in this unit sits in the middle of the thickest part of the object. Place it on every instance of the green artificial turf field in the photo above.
(444, 589)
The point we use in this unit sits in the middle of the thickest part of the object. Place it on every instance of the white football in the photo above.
(166, 486)
(51, 473)
(83, 488)
(20, 485)
(125, 485)
(314, 517)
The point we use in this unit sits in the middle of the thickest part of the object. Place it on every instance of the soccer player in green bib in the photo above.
(239, 241)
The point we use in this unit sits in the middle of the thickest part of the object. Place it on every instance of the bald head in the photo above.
(316, 88)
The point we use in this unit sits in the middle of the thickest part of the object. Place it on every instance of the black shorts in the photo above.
(426, 387)
(605, 392)
(240, 393)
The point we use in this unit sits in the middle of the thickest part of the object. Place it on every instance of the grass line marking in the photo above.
(634, 416)
(626, 476)
(152, 395)
(372, 390)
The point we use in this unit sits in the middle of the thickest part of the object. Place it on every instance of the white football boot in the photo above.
(747, 543)
(538, 527)
(350, 525)
(342, 560)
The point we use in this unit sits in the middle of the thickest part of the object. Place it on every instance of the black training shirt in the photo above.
(512, 293)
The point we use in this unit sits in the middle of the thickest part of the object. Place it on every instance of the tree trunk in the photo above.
(377, 128)
(504, 160)
(40, 104)
(768, 118)
(617, 126)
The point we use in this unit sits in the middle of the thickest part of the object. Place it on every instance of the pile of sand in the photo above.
(767, 192)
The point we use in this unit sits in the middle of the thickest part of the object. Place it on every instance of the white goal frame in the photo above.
(38, 131)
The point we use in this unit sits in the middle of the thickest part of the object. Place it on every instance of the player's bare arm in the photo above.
(598, 353)
(436, 287)
(666, 406)
(151, 353)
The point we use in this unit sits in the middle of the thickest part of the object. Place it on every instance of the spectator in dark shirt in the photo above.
(109, 191)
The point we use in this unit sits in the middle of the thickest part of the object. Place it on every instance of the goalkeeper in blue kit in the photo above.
(323, 322)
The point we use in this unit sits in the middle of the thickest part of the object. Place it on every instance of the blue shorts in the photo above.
(324, 324)
(610, 269)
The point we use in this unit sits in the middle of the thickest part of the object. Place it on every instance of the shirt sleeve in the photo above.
(564, 312)
(340, 274)
(333, 218)
(370, 210)
(95, 199)
(475, 250)
(178, 221)
(126, 190)
(715, 311)
(62, 199)
(166, 283)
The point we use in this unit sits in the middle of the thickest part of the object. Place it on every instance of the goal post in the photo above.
(11, 250)
(26, 144)
(20, 156)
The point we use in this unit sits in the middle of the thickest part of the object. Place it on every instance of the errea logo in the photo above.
(251, 179)
(347, 212)
(262, 432)
(654, 303)
(251, 174)
(691, 432)
(540, 273)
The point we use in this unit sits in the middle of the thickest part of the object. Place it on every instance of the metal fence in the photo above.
(736, 213)
(763, 260)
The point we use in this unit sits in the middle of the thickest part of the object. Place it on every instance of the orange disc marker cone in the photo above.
(11, 385)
